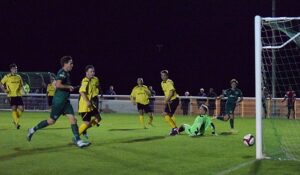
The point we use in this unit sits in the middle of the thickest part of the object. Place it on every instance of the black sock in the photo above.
(75, 131)
(213, 128)
(231, 123)
(220, 118)
(41, 125)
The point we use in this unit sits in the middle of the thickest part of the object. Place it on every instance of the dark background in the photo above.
(205, 43)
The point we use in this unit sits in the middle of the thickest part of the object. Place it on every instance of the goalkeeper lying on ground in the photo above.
(200, 125)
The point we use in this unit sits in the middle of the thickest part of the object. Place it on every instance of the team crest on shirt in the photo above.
(62, 75)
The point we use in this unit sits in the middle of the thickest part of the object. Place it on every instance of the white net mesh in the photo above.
(281, 76)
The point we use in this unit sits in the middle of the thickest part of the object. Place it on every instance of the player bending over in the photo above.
(61, 103)
(140, 96)
(200, 125)
(88, 101)
(234, 97)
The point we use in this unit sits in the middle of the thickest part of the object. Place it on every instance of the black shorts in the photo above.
(145, 108)
(16, 101)
(171, 107)
(50, 98)
(87, 116)
(95, 102)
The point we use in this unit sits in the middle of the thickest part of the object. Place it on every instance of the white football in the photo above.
(249, 140)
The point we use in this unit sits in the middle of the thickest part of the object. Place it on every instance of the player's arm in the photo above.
(284, 98)
(172, 92)
(132, 96)
(3, 88)
(59, 85)
(3, 81)
(85, 98)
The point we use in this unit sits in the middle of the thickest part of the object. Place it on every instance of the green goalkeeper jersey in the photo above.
(200, 125)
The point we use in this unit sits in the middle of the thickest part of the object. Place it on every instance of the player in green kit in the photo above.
(200, 125)
(234, 97)
(61, 104)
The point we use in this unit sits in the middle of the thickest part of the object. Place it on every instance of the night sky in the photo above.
(203, 43)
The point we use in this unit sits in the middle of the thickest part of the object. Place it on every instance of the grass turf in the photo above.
(120, 146)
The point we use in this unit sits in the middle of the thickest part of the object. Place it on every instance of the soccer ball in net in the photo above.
(249, 140)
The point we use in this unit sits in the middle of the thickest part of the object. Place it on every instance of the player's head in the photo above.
(66, 62)
(140, 81)
(234, 83)
(201, 90)
(150, 87)
(52, 79)
(164, 74)
(89, 71)
(211, 90)
(13, 68)
(186, 93)
(203, 109)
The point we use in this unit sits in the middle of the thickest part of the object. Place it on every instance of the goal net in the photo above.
(277, 47)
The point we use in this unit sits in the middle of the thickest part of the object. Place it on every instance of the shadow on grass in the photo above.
(24, 152)
(146, 139)
(255, 167)
(227, 133)
(125, 129)
(56, 128)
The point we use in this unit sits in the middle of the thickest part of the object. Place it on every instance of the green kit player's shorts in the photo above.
(60, 107)
(229, 108)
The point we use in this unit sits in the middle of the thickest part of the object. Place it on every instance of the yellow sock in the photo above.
(93, 122)
(19, 113)
(15, 117)
(82, 128)
(170, 121)
(174, 119)
(150, 120)
(142, 121)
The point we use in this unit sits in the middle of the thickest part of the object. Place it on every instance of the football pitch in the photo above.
(120, 146)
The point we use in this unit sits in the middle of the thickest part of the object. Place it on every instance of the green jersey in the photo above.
(233, 95)
(61, 103)
(200, 125)
(65, 80)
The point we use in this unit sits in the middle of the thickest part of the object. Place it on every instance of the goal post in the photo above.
(277, 68)
(258, 87)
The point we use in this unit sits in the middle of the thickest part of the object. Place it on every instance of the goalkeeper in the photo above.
(200, 125)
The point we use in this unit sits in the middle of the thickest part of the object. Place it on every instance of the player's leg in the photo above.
(173, 106)
(86, 118)
(149, 111)
(289, 112)
(14, 114)
(294, 113)
(75, 131)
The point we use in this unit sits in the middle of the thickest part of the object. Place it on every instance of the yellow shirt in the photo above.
(86, 87)
(14, 84)
(141, 94)
(94, 86)
(167, 87)
(50, 89)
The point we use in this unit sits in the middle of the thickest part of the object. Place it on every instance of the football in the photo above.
(249, 140)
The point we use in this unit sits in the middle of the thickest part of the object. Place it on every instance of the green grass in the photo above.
(119, 146)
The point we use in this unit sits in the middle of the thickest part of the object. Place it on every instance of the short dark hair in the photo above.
(12, 65)
(164, 72)
(89, 67)
(64, 60)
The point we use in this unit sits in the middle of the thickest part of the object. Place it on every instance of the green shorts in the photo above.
(61, 107)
